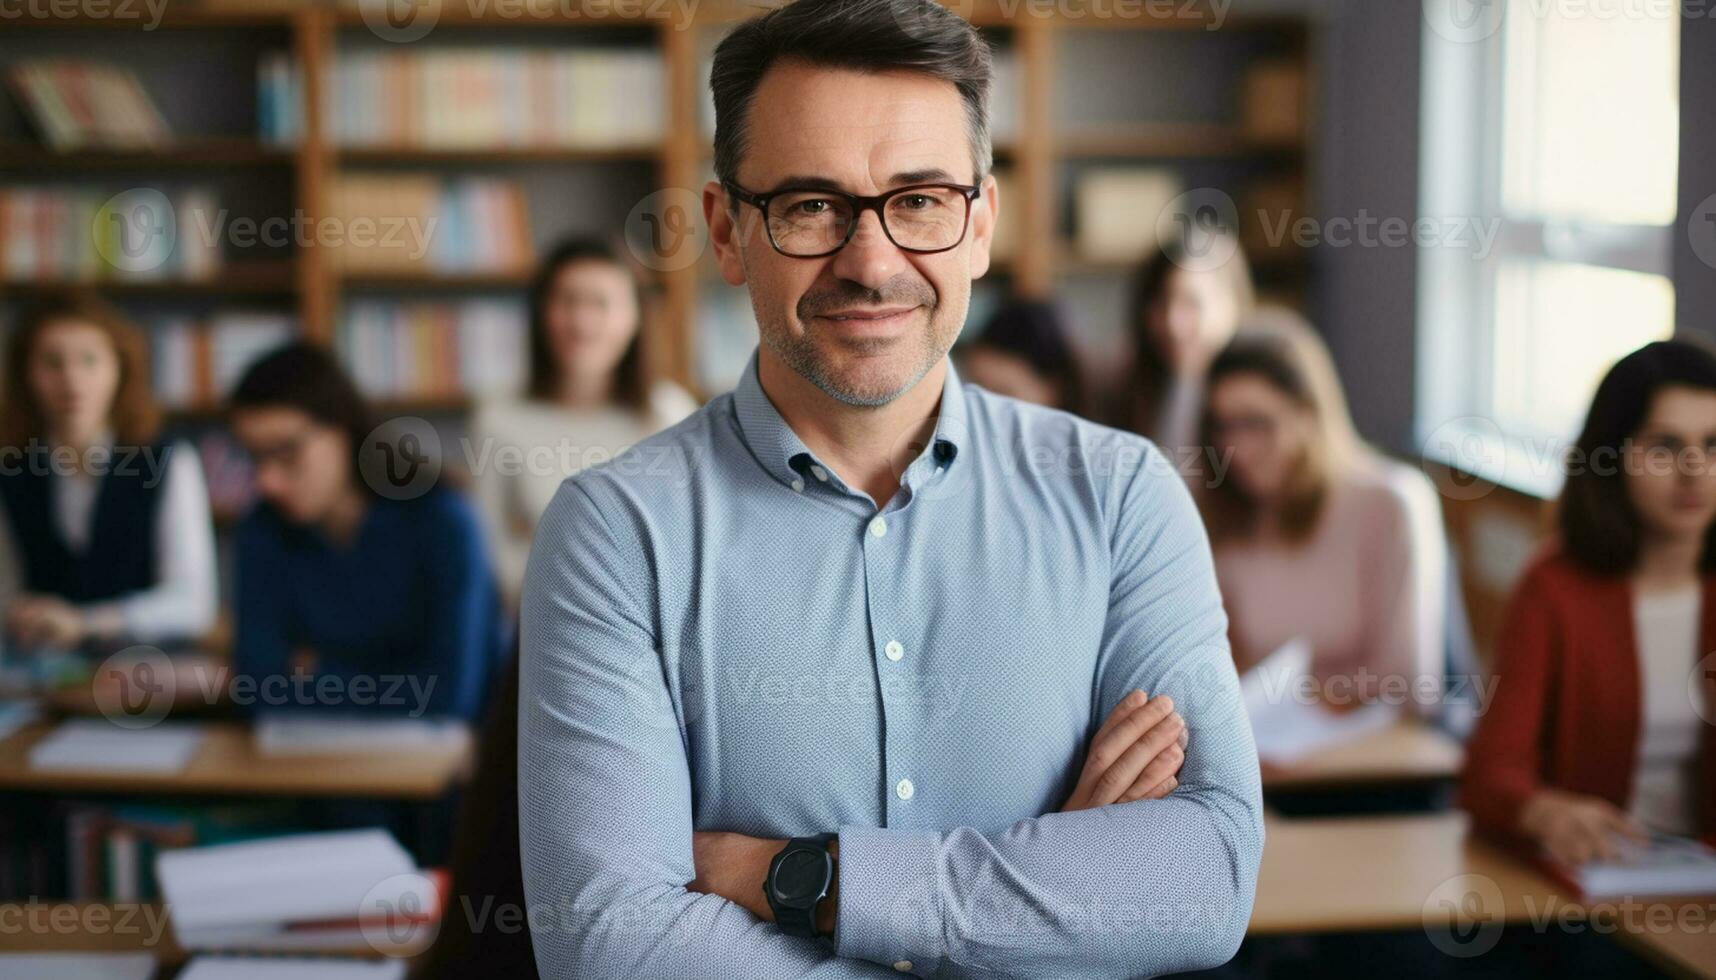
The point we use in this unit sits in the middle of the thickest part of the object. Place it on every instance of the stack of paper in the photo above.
(77, 966)
(304, 891)
(1288, 727)
(1665, 865)
(95, 745)
(243, 968)
(310, 735)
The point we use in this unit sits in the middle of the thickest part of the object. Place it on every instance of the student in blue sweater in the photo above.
(348, 600)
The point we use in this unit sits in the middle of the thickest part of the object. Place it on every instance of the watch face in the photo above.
(801, 877)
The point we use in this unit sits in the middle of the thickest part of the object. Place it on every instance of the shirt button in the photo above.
(879, 528)
(798, 485)
(894, 650)
(819, 473)
(904, 966)
(905, 789)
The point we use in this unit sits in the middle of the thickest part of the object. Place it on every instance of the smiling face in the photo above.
(865, 324)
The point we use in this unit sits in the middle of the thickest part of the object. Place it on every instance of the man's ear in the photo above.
(723, 233)
(984, 211)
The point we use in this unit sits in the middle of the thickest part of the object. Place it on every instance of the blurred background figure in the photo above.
(1024, 352)
(1316, 535)
(1595, 735)
(1186, 302)
(105, 532)
(333, 578)
(591, 394)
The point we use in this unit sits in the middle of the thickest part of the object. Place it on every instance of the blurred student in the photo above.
(1189, 295)
(591, 394)
(1024, 353)
(1316, 535)
(1594, 732)
(394, 599)
(105, 534)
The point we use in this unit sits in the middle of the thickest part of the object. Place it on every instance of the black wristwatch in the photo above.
(799, 879)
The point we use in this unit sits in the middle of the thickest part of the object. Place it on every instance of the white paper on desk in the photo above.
(277, 968)
(1665, 865)
(97, 745)
(77, 966)
(298, 878)
(1285, 726)
(279, 736)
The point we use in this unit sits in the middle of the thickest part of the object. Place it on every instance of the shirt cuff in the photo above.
(890, 899)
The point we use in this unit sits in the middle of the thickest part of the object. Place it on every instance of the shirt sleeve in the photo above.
(183, 601)
(1405, 613)
(604, 788)
(1127, 890)
(261, 644)
(495, 494)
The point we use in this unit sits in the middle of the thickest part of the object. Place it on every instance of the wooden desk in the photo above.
(1406, 873)
(227, 763)
(1408, 752)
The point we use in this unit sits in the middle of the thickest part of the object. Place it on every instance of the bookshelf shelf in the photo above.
(184, 155)
(391, 156)
(248, 278)
(436, 280)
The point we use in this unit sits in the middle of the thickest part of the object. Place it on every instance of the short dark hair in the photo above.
(1034, 331)
(633, 376)
(862, 35)
(307, 378)
(1598, 524)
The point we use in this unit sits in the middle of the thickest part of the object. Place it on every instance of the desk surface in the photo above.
(228, 763)
(1408, 752)
(1417, 872)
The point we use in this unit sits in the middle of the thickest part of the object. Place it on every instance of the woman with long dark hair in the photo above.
(591, 394)
(1595, 732)
(105, 532)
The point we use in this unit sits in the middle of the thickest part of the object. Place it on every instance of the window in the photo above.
(1551, 131)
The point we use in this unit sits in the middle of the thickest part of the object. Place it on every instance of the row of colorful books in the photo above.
(473, 97)
(81, 104)
(434, 350)
(196, 361)
(89, 234)
(414, 223)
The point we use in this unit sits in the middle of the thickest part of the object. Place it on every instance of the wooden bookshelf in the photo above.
(1041, 153)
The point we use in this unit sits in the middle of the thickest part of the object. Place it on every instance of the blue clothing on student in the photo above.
(403, 620)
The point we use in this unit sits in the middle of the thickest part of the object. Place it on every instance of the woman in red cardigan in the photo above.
(1597, 728)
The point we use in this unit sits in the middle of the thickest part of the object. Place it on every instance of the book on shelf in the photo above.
(434, 350)
(402, 224)
(88, 234)
(195, 362)
(87, 104)
(474, 98)
(1118, 209)
(1272, 102)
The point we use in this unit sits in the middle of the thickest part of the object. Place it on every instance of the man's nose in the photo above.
(870, 258)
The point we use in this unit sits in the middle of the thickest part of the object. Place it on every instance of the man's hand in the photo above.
(734, 867)
(1135, 755)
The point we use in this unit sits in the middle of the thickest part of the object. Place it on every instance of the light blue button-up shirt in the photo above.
(720, 634)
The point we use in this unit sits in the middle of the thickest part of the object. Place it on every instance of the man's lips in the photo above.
(870, 317)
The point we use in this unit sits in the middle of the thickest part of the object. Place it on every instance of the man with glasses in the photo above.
(860, 670)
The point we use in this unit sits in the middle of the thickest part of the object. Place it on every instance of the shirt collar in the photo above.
(785, 455)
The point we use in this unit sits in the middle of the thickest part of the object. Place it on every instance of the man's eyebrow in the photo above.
(927, 175)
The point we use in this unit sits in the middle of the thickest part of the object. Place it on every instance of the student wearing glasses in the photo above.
(1318, 536)
(105, 534)
(391, 600)
(1598, 729)
(591, 394)
(861, 670)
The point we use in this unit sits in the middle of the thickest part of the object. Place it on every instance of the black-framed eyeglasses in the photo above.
(811, 222)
